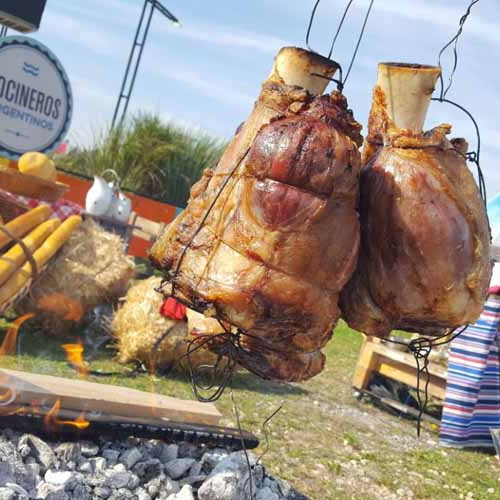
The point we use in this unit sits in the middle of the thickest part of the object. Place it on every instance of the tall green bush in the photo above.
(150, 156)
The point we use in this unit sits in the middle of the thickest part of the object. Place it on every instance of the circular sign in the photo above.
(36, 103)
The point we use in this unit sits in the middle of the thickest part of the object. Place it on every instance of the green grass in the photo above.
(150, 156)
(329, 445)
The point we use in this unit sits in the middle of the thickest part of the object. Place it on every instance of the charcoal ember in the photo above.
(12, 467)
(58, 494)
(178, 467)
(39, 449)
(89, 449)
(130, 457)
(68, 452)
(169, 452)
(102, 492)
(203, 478)
(7, 494)
(142, 494)
(185, 493)
(148, 469)
(82, 492)
(118, 479)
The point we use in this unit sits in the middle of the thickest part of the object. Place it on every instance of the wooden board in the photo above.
(80, 395)
(15, 182)
(377, 357)
(147, 229)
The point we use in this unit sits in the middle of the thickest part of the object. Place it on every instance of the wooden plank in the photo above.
(401, 407)
(149, 227)
(408, 359)
(366, 365)
(91, 416)
(15, 182)
(408, 375)
(81, 395)
(377, 357)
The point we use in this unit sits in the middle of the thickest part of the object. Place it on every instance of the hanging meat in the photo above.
(271, 235)
(424, 262)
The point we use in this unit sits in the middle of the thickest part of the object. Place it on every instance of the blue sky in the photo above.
(207, 73)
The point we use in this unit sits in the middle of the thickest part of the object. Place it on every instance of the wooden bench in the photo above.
(377, 356)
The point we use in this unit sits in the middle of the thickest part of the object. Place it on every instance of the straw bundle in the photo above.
(138, 324)
(91, 269)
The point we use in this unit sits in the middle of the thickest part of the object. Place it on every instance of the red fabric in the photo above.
(495, 290)
(61, 209)
(173, 309)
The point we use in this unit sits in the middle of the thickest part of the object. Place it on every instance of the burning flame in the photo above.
(9, 396)
(8, 347)
(9, 341)
(74, 355)
(61, 305)
(52, 422)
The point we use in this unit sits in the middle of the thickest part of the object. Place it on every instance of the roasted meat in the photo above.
(424, 262)
(270, 236)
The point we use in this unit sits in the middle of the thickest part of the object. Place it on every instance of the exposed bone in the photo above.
(408, 89)
(296, 66)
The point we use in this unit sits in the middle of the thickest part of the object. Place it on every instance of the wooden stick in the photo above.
(80, 395)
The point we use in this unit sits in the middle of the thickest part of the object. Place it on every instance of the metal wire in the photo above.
(472, 156)
(421, 348)
(342, 19)
(266, 434)
(247, 459)
(358, 43)
(207, 213)
(342, 81)
(453, 41)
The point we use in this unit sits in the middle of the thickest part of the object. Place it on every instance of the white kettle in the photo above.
(99, 197)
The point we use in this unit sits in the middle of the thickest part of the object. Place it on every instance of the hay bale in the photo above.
(91, 269)
(138, 324)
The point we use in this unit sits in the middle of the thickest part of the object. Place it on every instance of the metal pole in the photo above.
(131, 55)
(127, 87)
(3, 32)
(139, 57)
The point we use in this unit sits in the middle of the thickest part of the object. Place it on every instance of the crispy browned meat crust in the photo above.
(424, 262)
(281, 239)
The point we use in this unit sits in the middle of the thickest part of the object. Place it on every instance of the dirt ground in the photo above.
(331, 446)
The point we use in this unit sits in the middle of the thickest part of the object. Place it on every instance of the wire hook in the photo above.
(341, 81)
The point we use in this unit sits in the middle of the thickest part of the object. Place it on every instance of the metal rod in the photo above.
(131, 55)
(139, 57)
(126, 86)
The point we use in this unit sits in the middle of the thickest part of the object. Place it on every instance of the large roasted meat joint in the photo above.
(424, 262)
(271, 235)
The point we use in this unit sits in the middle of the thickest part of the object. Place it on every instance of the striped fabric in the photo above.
(472, 404)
